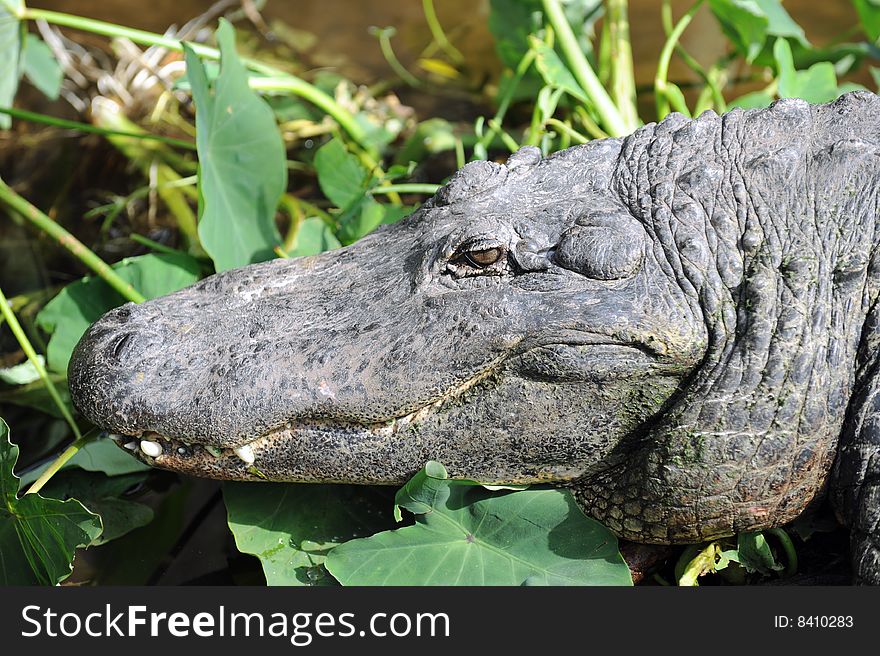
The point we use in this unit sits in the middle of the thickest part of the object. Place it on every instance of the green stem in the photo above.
(282, 81)
(791, 558)
(622, 78)
(71, 243)
(506, 99)
(33, 117)
(384, 35)
(575, 136)
(407, 188)
(438, 33)
(58, 463)
(710, 78)
(608, 113)
(27, 347)
(589, 124)
(662, 75)
(155, 245)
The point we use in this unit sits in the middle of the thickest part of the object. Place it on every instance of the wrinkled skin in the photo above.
(681, 325)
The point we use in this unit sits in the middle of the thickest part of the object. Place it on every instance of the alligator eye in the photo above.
(483, 257)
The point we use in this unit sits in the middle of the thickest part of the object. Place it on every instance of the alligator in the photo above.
(681, 325)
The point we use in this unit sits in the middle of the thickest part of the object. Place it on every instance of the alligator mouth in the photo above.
(253, 459)
(248, 461)
(243, 461)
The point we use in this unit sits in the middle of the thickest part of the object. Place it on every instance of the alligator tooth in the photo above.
(115, 437)
(131, 446)
(214, 451)
(246, 453)
(152, 449)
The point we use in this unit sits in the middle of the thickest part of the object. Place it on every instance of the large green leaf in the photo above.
(11, 36)
(466, 534)
(242, 161)
(40, 67)
(77, 306)
(290, 528)
(103, 495)
(38, 536)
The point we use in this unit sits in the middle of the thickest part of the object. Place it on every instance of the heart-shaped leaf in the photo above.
(290, 528)
(242, 161)
(38, 536)
(467, 535)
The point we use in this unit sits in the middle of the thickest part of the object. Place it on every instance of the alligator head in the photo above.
(514, 328)
(670, 319)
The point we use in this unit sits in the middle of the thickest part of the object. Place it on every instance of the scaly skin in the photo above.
(681, 325)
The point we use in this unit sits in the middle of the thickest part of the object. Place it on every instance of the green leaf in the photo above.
(744, 24)
(21, 374)
(749, 23)
(11, 37)
(102, 495)
(869, 15)
(312, 237)
(360, 219)
(290, 528)
(431, 136)
(340, 174)
(554, 72)
(40, 66)
(817, 84)
(755, 555)
(102, 455)
(81, 303)
(468, 535)
(242, 161)
(780, 23)
(394, 213)
(38, 536)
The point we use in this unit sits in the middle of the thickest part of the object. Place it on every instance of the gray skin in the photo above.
(681, 325)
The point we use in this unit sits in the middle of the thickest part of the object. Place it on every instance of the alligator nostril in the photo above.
(121, 346)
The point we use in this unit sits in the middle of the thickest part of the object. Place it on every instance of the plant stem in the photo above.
(438, 33)
(710, 78)
(33, 117)
(384, 35)
(660, 79)
(575, 136)
(281, 81)
(58, 463)
(407, 188)
(298, 87)
(622, 78)
(27, 347)
(791, 558)
(71, 243)
(506, 99)
(608, 113)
